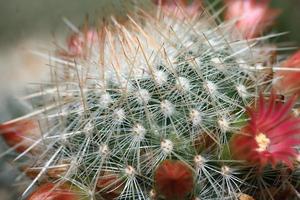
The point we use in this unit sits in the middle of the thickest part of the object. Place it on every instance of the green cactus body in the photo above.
(143, 94)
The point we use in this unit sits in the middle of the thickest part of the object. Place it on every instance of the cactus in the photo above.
(155, 109)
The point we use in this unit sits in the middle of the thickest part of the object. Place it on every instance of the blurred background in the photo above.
(42, 18)
(26, 24)
(289, 20)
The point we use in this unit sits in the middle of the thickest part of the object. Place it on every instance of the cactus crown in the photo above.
(144, 93)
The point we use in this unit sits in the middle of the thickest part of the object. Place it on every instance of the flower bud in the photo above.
(20, 134)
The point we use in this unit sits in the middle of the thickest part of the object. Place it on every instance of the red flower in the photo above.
(173, 179)
(271, 135)
(179, 8)
(50, 191)
(289, 81)
(20, 133)
(252, 16)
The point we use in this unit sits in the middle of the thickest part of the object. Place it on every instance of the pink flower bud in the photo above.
(80, 43)
(252, 16)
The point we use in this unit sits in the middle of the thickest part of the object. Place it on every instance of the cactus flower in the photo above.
(271, 135)
(289, 80)
(252, 16)
(174, 179)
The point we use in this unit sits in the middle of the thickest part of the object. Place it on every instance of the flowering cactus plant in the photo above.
(169, 106)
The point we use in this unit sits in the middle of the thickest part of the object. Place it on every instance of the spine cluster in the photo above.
(158, 110)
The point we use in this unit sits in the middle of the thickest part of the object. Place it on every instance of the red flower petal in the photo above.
(173, 179)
